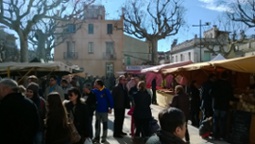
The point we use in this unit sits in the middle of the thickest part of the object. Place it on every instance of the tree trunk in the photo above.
(154, 51)
(41, 47)
(23, 48)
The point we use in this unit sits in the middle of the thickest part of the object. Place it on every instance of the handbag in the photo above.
(75, 136)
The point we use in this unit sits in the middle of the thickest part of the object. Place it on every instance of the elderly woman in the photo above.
(79, 112)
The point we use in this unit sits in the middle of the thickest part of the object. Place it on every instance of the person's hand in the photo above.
(110, 111)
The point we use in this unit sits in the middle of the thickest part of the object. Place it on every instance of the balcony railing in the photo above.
(109, 56)
(71, 55)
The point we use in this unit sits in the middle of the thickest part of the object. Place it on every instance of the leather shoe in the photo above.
(118, 136)
(122, 133)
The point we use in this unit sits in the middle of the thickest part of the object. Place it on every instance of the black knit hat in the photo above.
(34, 87)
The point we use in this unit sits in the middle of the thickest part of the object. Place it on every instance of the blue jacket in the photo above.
(104, 100)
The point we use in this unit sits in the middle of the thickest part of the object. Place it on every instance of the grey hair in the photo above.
(10, 83)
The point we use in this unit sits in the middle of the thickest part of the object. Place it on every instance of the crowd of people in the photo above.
(32, 115)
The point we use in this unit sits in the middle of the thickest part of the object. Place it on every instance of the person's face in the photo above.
(29, 93)
(180, 131)
(63, 84)
(123, 81)
(86, 90)
(52, 81)
(72, 97)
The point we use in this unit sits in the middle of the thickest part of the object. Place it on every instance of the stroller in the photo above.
(205, 128)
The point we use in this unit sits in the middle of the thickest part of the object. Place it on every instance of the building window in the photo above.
(109, 69)
(110, 47)
(207, 56)
(109, 28)
(70, 46)
(71, 28)
(70, 52)
(189, 55)
(128, 60)
(91, 28)
(91, 48)
(182, 57)
(176, 58)
(172, 59)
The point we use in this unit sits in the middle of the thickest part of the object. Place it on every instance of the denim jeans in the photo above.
(219, 123)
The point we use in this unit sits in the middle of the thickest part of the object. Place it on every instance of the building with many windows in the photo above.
(195, 49)
(96, 47)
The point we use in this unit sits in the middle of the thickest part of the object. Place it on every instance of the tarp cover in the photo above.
(240, 64)
(56, 66)
(164, 66)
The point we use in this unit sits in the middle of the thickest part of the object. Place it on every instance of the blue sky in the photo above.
(204, 10)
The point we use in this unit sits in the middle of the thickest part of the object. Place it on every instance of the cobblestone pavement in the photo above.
(193, 131)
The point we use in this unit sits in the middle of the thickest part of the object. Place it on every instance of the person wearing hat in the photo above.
(32, 93)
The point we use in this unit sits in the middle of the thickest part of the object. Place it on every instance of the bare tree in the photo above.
(56, 29)
(22, 15)
(243, 11)
(227, 39)
(156, 21)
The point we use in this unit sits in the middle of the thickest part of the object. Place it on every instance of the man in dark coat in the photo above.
(19, 119)
(121, 102)
(206, 94)
(154, 93)
(222, 94)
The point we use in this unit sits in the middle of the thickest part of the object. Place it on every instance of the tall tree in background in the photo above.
(54, 30)
(22, 15)
(156, 21)
(229, 35)
(243, 11)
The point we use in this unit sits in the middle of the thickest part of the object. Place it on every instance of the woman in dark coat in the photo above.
(142, 111)
(79, 113)
(57, 130)
(32, 92)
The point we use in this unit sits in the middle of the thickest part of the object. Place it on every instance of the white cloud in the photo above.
(216, 5)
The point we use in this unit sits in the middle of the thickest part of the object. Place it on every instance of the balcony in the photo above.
(109, 56)
(71, 55)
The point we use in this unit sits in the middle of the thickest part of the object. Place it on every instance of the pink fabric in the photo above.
(150, 76)
(132, 127)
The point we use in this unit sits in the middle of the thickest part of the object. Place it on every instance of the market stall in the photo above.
(242, 114)
(22, 70)
(164, 82)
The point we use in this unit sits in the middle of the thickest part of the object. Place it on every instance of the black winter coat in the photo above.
(120, 97)
(142, 100)
(80, 114)
(19, 119)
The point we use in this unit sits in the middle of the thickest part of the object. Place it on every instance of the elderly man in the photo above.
(121, 102)
(19, 120)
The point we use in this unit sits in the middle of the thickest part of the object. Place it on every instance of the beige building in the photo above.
(135, 51)
(96, 47)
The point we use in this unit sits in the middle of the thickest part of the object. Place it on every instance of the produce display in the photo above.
(246, 102)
